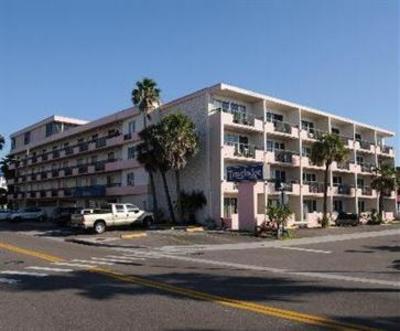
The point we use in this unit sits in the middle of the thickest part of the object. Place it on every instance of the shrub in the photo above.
(192, 202)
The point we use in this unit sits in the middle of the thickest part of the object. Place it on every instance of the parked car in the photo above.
(114, 214)
(347, 219)
(5, 214)
(62, 215)
(33, 213)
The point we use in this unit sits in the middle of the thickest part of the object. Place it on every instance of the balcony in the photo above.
(282, 128)
(34, 159)
(99, 166)
(54, 173)
(385, 150)
(68, 171)
(126, 190)
(276, 187)
(101, 142)
(312, 134)
(343, 189)
(83, 147)
(43, 175)
(56, 154)
(229, 187)
(314, 188)
(245, 152)
(82, 169)
(243, 121)
(365, 146)
(367, 167)
(45, 157)
(367, 192)
(69, 150)
(54, 193)
(114, 165)
(347, 142)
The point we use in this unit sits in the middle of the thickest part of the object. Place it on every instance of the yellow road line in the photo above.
(194, 294)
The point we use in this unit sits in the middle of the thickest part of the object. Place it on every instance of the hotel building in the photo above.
(61, 161)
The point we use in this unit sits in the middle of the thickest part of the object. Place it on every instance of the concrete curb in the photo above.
(195, 229)
(133, 235)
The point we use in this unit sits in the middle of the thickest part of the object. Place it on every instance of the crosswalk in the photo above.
(14, 277)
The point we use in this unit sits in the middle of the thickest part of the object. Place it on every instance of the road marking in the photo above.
(111, 260)
(125, 257)
(233, 303)
(23, 273)
(8, 281)
(49, 269)
(305, 249)
(40, 255)
(88, 261)
(78, 265)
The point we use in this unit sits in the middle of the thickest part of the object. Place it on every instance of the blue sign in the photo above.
(90, 191)
(241, 173)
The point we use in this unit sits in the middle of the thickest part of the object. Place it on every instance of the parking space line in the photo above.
(49, 269)
(23, 273)
(88, 261)
(78, 265)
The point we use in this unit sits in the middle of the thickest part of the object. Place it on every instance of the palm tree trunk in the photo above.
(153, 193)
(169, 201)
(178, 195)
(325, 222)
(380, 206)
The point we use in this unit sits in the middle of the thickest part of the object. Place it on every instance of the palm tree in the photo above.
(384, 182)
(2, 142)
(151, 155)
(146, 96)
(324, 151)
(181, 142)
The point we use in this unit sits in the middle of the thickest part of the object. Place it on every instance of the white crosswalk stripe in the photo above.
(88, 261)
(125, 257)
(8, 281)
(111, 259)
(49, 269)
(23, 273)
(77, 265)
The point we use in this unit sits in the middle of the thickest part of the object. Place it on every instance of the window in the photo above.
(358, 137)
(275, 145)
(338, 205)
(111, 156)
(280, 175)
(230, 206)
(131, 208)
(272, 117)
(310, 206)
(361, 206)
(93, 180)
(307, 177)
(337, 180)
(335, 131)
(93, 159)
(360, 182)
(27, 138)
(119, 208)
(53, 128)
(231, 139)
(12, 143)
(132, 127)
(307, 125)
(360, 160)
(306, 151)
(131, 152)
(130, 179)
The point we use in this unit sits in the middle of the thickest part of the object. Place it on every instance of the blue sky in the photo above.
(82, 58)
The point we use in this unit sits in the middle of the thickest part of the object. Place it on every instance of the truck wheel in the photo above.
(99, 227)
(147, 221)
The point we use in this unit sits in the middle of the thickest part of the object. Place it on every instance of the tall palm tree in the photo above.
(324, 151)
(146, 97)
(181, 142)
(2, 142)
(151, 155)
(384, 182)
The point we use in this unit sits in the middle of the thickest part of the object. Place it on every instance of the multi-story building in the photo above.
(64, 161)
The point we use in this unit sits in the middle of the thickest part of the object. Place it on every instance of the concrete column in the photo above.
(247, 206)
(265, 166)
(301, 170)
(355, 175)
(330, 198)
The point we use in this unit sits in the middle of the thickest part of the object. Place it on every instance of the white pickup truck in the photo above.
(113, 214)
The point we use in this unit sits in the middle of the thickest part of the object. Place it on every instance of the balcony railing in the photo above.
(343, 189)
(101, 142)
(366, 190)
(315, 187)
(68, 171)
(45, 157)
(54, 193)
(69, 150)
(343, 165)
(283, 127)
(244, 150)
(54, 173)
(284, 156)
(82, 169)
(127, 136)
(315, 133)
(367, 167)
(67, 192)
(43, 175)
(56, 154)
(386, 149)
(365, 144)
(99, 166)
(243, 118)
(83, 147)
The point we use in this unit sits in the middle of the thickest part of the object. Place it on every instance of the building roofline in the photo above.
(52, 118)
(224, 86)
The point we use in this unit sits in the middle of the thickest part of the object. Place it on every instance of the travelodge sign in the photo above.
(242, 173)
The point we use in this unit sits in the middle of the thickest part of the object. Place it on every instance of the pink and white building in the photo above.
(62, 161)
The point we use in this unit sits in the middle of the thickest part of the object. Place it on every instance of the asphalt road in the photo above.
(333, 282)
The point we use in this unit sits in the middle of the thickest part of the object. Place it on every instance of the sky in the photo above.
(81, 58)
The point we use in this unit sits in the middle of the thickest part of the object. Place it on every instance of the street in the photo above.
(348, 279)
